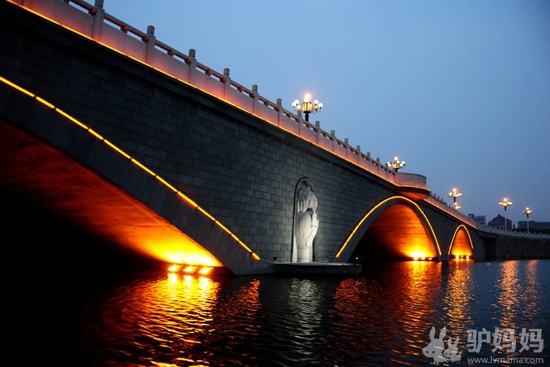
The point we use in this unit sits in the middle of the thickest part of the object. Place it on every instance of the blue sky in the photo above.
(460, 90)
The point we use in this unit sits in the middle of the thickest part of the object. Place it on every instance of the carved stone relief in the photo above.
(306, 222)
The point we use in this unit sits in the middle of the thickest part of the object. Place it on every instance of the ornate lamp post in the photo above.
(456, 206)
(455, 194)
(307, 106)
(527, 211)
(505, 203)
(396, 164)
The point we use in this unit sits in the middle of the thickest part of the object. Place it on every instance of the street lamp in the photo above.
(505, 203)
(307, 106)
(396, 164)
(455, 194)
(456, 206)
(527, 211)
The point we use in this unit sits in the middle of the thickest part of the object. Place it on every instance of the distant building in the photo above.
(480, 219)
(534, 227)
(498, 222)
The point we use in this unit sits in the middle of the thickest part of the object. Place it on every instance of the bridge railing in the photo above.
(93, 22)
(513, 233)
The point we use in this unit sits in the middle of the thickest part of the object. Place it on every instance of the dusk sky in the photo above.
(460, 90)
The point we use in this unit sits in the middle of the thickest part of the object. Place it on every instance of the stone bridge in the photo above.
(142, 145)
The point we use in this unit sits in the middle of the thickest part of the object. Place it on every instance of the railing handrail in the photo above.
(365, 161)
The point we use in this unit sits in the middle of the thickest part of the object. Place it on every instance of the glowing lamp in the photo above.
(174, 268)
(190, 269)
(205, 270)
(307, 106)
(455, 194)
(505, 203)
(396, 164)
(417, 255)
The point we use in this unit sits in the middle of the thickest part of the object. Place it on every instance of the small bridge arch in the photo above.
(395, 228)
(461, 246)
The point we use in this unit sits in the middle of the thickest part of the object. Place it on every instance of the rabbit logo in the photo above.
(436, 349)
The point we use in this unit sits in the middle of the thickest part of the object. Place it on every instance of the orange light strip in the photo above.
(456, 233)
(44, 102)
(15, 86)
(139, 164)
(376, 207)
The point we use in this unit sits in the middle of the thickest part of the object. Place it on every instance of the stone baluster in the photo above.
(317, 130)
(99, 16)
(255, 97)
(227, 83)
(192, 65)
(346, 143)
(279, 111)
(151, 41)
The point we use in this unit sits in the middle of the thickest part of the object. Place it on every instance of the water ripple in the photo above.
(380, 318)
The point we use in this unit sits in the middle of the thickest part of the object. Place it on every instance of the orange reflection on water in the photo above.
(174, 315)
(458, 294)
(510, 293)
(410, 292)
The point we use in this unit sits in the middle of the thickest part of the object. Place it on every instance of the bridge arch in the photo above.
(395, 228)
(80, 173)
(461, 245)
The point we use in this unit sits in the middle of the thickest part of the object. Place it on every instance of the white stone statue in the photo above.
(306, 223)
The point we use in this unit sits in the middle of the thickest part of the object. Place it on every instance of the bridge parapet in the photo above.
(512, 233)
(442, 205)
(93, 22)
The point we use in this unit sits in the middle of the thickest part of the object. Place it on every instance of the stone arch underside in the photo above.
(400, 231)
(82, 179)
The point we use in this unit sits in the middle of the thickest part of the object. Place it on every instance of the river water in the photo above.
(381, 317)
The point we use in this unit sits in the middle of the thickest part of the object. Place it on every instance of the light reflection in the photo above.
(458, 294)
(509, 294)
(375, 311)
(175, 313)
(532, 289)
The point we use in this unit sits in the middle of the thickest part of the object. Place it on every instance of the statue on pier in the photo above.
(306, 222)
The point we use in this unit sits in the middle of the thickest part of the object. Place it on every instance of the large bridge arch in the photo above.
(396, 228)
(72, 169)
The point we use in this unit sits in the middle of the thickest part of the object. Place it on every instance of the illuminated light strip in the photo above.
(166, 183)
(187, 199)
(140, 165)
(120, 151)
(376, 207)
(133, 160)
(15, 86)
(67, 116)
(456, 233)
(44, 102)
(96, 134)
